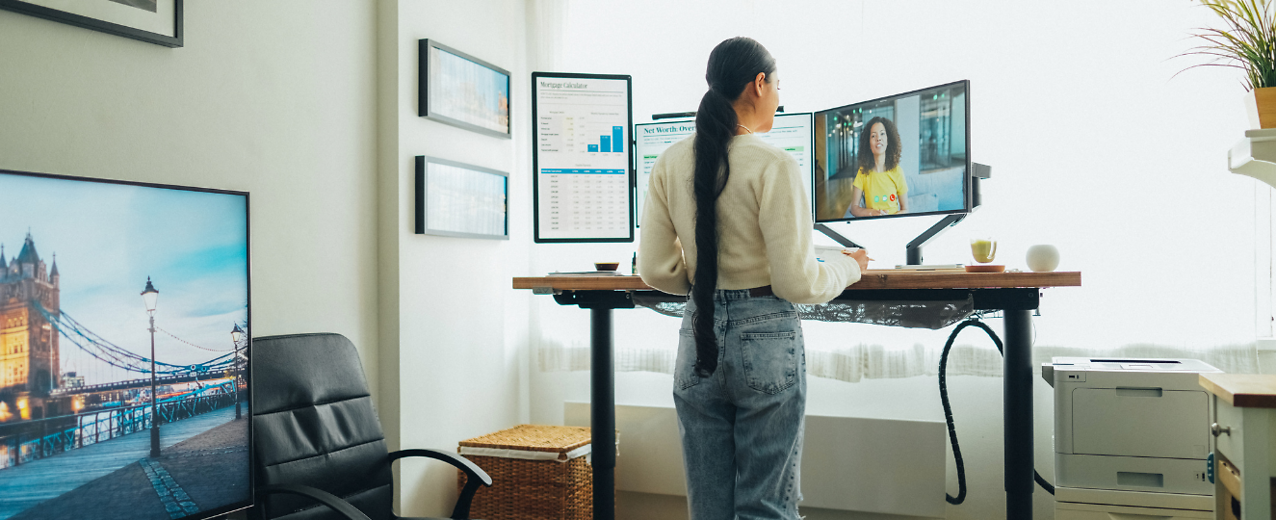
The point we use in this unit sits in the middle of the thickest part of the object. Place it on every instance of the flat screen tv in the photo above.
(901, 155)
(124, 326)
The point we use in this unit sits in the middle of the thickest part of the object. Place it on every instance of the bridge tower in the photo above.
(29, 351)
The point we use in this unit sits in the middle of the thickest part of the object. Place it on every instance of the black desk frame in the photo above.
(1016, 304)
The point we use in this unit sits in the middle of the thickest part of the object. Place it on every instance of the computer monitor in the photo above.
(790, 132)
(907, 154)
(124, 340)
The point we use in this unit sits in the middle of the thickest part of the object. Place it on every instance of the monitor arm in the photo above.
(914, 248)
(837, 237)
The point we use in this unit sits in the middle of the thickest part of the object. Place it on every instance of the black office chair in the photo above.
(318, 449)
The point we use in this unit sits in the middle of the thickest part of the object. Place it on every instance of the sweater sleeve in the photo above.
(784, 215)
(660, 261)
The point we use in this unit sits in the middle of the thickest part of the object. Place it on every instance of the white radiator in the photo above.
(848, 463)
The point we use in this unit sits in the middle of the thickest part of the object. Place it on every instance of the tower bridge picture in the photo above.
(49, 415)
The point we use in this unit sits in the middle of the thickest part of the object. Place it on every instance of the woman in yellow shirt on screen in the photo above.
(879, 178)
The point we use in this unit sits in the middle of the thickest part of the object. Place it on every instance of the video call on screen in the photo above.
(903, 155)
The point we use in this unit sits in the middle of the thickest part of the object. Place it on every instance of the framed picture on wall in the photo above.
(460, 200)
(461, 90)
(151, 21)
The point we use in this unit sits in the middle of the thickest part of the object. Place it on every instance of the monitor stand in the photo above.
(913, 250)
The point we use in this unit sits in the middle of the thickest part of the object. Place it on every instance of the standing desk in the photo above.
(1015, 294)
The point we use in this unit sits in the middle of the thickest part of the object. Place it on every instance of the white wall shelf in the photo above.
(1255, 156)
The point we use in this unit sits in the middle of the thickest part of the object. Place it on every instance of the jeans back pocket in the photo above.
(684, 371)
(770, 360)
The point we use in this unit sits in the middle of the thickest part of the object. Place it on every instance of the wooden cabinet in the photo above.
(1245, 446)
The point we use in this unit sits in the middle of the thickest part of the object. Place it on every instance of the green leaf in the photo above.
(1247, 42)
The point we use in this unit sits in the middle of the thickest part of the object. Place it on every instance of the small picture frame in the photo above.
(151, 21)
(463, 91)
(461, 200)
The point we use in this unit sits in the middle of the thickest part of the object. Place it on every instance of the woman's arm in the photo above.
(660, 261)
(856, 209)
(860, 211)
(903, 203)
(785, 220)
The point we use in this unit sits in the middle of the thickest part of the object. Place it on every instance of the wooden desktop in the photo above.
(872, 279)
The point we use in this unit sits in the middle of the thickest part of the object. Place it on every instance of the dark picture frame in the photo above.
(88, 22)
(439, 100)
(465, 194)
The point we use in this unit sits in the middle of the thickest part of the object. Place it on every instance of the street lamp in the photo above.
(236, 335)
(149, 296)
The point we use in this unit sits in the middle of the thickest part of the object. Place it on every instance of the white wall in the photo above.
(456, 368)
(1095, 147)
(273, 98)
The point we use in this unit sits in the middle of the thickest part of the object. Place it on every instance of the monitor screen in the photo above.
(124, 326)
(790, 132)
(581, 185)
(907, 154)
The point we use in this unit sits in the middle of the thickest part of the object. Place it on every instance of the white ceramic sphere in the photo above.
(1043, 258)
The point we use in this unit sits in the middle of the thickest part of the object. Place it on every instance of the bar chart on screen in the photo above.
(582, 159)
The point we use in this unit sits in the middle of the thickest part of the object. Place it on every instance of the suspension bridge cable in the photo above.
(114, 355)
(192, 344)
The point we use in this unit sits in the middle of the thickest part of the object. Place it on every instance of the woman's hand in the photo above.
(860, 256)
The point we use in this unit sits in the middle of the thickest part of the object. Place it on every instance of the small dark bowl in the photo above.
(606, 266)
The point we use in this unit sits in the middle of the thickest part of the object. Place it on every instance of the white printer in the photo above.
(1130, 432)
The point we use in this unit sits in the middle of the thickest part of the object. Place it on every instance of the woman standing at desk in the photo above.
(727, 220)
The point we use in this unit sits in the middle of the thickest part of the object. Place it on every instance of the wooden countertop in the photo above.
(872, 279)
(1242, 390)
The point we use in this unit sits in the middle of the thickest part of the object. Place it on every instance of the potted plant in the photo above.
(1247, 43)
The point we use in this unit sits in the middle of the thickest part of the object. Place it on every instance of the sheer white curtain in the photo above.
(1095, 146)
(833, 351)
(546, 23)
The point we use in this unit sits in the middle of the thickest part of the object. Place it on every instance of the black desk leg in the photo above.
(602, 408)
(1017, 408)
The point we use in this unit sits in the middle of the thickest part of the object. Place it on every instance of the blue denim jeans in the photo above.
(742, 426)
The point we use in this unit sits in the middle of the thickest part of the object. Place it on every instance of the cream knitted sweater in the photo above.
(764, 227)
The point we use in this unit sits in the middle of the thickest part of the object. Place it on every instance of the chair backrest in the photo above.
(314, 424)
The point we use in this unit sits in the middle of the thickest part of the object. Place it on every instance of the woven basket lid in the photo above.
(532, 437)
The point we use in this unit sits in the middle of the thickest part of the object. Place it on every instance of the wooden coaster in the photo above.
(985, 268)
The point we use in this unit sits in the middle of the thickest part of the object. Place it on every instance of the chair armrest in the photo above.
(474, 476)
(471, 470)
(319, 495)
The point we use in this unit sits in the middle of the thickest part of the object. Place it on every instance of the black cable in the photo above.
(1042, 482)
(948, 412)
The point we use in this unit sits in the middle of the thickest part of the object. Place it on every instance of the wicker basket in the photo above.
(538, 472)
